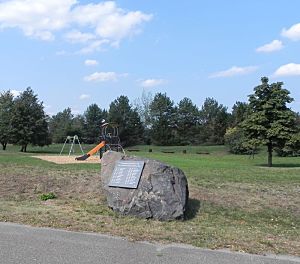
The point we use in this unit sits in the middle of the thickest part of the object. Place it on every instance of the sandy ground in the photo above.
(67, 159)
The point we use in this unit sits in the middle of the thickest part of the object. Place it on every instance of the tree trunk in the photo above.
(3, 145)
(23, 148)
(270, 154)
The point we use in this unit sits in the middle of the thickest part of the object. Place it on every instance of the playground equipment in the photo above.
(109, 140)
(71, 140)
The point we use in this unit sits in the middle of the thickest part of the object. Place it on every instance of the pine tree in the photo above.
(163, 116)
(130, 126)
(187, 119)
(60, 125)
(239, 113)
(93, 117)
(214, 121)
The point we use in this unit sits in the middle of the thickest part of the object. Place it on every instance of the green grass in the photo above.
(12, 156)
(236, 202)
(219, 165)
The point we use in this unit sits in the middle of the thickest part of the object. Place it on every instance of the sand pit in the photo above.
(67, 159)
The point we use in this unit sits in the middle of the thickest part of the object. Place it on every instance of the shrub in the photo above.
(47, 196)
(291, 148)
(235, 140)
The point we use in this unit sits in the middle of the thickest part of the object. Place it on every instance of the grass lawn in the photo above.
(236, 202)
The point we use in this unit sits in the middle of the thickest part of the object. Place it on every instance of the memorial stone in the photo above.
(143, 187)
(126, 174)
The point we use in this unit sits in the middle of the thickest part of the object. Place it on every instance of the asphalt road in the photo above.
(28, 245)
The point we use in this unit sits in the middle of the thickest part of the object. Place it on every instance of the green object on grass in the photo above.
(47, 196)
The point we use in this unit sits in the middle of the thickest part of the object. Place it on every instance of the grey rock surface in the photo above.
(162, 192)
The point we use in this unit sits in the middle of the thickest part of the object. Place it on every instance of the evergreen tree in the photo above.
(239, 112)
(77, 127)
(93, 117)
(214, 121)
(269, 120)
(163, 112)
(128, 120)
(29, 121)
(187, 122)
(135, 128)
(60, 125)
(6, 107)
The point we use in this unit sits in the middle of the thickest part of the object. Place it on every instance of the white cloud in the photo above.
(234, 71)
(292, 33)
(15, 93)
(152, 82)
(102, 77)
(109, 21)
(90, 62)
(290, 69)
(36, 18)
(76, 36)
(42, 19)
(94, 46)
(275, 45)
(84, 96)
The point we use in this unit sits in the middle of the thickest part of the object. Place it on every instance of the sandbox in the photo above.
(61, 159)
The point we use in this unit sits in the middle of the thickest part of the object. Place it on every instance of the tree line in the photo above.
(148, 120)
(264, 119)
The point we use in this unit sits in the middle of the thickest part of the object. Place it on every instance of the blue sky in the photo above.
(75, 53)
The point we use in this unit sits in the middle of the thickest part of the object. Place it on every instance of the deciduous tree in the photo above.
(269, 120)
(6, 107)
(29, 121)
(142, 105)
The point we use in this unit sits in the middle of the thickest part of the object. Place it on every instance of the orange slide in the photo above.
(92, 151)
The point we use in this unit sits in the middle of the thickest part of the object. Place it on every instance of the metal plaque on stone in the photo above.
(127, 174)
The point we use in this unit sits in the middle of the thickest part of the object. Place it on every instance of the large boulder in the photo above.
(162, 192)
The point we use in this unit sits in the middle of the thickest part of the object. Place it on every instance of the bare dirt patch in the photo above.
(67, 159)
(28, 183)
